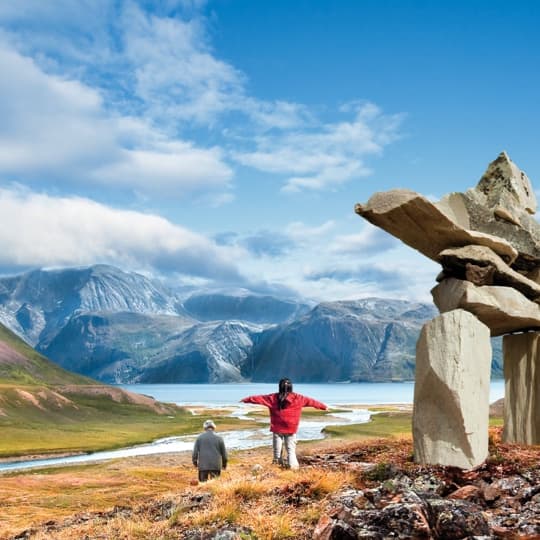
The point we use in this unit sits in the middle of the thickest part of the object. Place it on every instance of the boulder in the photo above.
(471, 211)
(522, 388)
(461, 262)
(500, 205)
(451, 393)
(501, 309)
(504, 184)
(422, 225)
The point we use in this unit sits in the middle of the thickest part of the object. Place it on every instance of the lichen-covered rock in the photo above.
(522, 232)
(504, 184)
(455, 519)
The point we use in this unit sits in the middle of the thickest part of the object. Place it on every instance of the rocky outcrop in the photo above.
(522, 388)
(501, 309)
(435, 505)
(451, 393)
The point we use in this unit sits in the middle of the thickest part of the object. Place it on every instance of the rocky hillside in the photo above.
(124, 328)
(363, 340)
(38, 304)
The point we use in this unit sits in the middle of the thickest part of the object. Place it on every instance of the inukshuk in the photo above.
(488, 245)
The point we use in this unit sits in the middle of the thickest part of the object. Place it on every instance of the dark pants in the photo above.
(207, 475)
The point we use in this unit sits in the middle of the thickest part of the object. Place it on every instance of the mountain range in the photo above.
(122, 327)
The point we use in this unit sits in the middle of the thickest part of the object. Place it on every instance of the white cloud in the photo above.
(176, 75)
(369, 241)
(161, 168)
(157, 67)
(301, 232)
(327, 156)
(179, 78)
(59, 129)
(110, 97)
(46, 120)
(39, 230)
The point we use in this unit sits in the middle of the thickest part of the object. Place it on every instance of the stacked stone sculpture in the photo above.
(488, 245)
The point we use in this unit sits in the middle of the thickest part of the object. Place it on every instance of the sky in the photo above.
(224, 143)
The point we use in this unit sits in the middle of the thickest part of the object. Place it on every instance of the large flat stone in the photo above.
(451, 392)
(456, 262)
(502, 309)
(420, 224)
(522, 388)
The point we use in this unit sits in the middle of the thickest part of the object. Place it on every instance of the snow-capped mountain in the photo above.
(123, 327)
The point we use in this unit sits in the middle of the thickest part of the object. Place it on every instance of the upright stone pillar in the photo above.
(451, 392)
(521, 354)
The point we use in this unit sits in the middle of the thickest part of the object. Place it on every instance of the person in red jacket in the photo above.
(285, 408)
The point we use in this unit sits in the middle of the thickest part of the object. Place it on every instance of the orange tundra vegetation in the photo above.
(158, 497)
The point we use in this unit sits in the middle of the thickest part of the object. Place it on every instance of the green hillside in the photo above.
(20, 363)
(45, 409)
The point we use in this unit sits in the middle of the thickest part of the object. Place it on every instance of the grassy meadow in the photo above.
(87, 423)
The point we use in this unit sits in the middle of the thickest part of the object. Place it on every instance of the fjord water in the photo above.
(219, 395)
(333, 394)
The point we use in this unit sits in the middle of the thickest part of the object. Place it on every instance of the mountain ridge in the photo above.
(122, 327)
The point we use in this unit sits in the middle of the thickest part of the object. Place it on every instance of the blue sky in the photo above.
(225, 143)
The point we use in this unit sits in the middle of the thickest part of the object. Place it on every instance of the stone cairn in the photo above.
(488, 245)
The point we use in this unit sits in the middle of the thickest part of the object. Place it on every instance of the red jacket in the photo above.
(285, 421)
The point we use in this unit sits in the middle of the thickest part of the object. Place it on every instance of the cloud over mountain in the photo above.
(63, 231)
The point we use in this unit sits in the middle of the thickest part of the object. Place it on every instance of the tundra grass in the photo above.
(385, 424)
(393, 424)
(262, 503)
(92, 424)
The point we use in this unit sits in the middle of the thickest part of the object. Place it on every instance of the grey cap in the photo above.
(209, 424)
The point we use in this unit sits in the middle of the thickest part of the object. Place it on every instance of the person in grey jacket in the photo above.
(209, 453)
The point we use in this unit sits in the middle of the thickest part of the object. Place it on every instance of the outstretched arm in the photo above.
(259, 400)
(310, 402)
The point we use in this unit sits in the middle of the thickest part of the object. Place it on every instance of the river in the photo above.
(337, 396)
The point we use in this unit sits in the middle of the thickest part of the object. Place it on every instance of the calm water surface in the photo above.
(219, 395)
(332, 394)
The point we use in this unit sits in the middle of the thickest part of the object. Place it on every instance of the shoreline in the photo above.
(371, 408)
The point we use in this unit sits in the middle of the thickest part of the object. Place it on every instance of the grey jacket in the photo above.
(209, 453)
